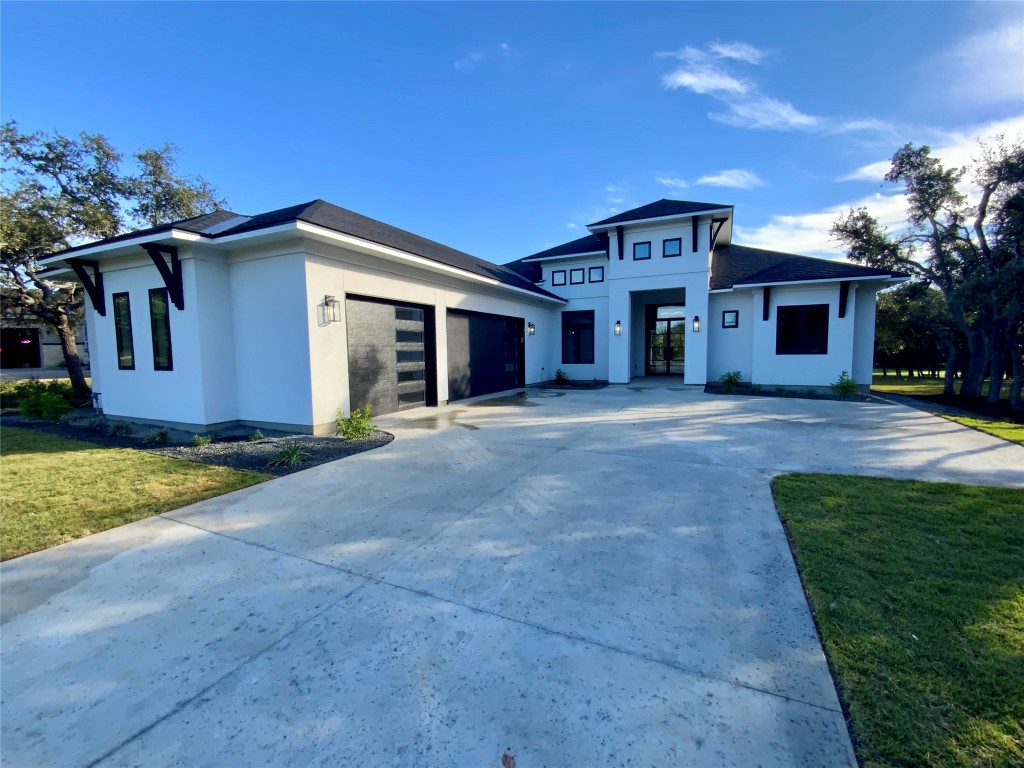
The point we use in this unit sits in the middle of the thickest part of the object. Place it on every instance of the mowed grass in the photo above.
(54, 490)
(918, 593)
(901, 385)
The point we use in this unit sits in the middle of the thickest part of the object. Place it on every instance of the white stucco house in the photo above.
(280, 319)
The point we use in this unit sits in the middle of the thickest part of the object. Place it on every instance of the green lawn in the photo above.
(918, 593)
(53, 490)
(901, 385)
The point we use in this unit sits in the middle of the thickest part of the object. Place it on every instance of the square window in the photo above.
(576, 276)
(597, 274)
(578, 336)
(730, 318)
(558, 277)
(802, 329)
(641, 251)
(672, 247)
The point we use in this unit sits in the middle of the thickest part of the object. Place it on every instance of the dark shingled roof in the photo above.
(586, 244)
(740, 265)
(530, 270)
(194, 224)
(658, 209)
(336, 219)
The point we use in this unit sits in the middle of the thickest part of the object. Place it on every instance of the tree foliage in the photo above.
(967, 247)
(59, 191)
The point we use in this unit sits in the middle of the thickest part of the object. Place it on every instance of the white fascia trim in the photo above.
(567, 256)
(888, 278)
(418, 261)
(594, 227)
(175, 234)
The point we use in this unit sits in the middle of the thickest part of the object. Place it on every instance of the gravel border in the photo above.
(229, 450)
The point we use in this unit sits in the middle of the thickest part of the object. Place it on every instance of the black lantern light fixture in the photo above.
(618, 327)
(332, 309)
(531, 329)
(696, 323)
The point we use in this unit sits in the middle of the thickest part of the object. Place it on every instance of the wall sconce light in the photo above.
(332, 309)
(618, 327)
(696, 323)
(531, 329)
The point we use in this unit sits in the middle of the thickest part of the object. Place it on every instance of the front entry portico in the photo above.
(666, 340)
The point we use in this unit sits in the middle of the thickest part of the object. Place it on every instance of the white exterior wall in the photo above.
(863, 331)
(586, 296)
(144, 393)
(731, 349)
(340, 272)
(216, 343)
(802, 370)
(271, 336)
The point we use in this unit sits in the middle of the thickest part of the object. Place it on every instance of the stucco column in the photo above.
(618, 346)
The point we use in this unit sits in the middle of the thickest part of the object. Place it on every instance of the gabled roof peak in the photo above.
(660, 209)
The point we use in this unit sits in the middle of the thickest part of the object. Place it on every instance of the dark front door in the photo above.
(666, 341)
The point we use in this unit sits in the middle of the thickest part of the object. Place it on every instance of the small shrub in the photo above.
(729, 380)
(156, 437)
(289, 455)
(357, 425)
(96, 421)
(561, 377)
(120, 428)
(200, 440)
(69, 418)
(256, 436)
(44, 404)
(844, 387)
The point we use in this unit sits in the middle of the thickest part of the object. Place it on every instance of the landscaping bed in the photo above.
(750, 390)
(234, 448)
(917, 590)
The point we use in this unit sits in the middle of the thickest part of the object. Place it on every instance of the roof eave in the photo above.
(858, 278)
(598, 226)
(564, 256)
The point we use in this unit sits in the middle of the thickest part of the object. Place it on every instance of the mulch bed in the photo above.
(806, 394)
(229, 450)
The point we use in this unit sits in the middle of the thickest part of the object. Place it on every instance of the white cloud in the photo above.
(468, 63)
(737, 51)
(746, 106)
(766, 113)
(571, 225)
(614, 188)
(988, 68)
(953, 148)
(671, 182)
(808, 233)
(704, 80)
(736, 178)
(617, 200)
(507, 49)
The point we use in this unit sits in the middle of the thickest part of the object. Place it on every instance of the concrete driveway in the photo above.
(594, 578)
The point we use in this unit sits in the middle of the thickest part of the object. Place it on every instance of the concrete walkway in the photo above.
(582, 579)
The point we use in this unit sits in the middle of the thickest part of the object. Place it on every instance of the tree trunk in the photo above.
(69, 346)
(1018, 378)
(997, 364)
(948, 383)
(977, 364)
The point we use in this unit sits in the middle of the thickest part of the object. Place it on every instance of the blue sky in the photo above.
(502, 129)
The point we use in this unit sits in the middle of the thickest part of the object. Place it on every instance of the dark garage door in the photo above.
(485, 354)
(391, 354)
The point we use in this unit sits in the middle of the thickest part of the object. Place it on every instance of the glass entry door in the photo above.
(666, 341)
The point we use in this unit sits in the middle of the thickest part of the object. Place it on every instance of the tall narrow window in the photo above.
(578, 337)
(160, 321)
(123, 332)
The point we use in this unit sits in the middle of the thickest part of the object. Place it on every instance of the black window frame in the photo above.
(554, 277)
(642, 258)
(584, 319)
(412, 314)
(590, 274)
(165, 294)
(799, 329)
(664, 247)
(118, 333)
(572, 276)
(735, 317)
